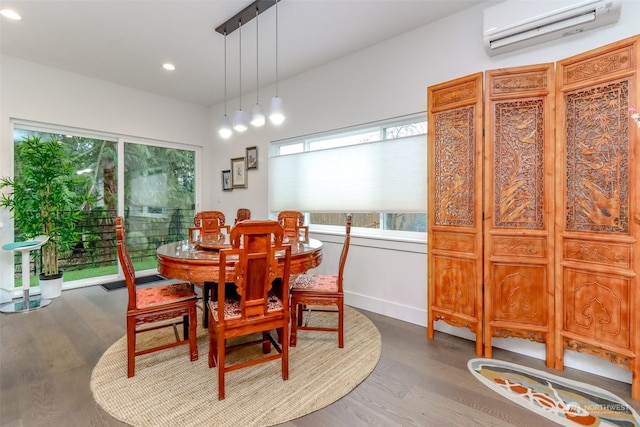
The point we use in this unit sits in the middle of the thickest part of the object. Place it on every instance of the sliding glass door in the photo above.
(150, 183)
(159, 198)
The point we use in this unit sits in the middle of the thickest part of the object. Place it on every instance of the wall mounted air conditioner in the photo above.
(513, 25)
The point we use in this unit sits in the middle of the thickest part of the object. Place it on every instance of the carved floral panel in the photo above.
(597, 168)
(454, 167)
(599, 66)
(518, 166)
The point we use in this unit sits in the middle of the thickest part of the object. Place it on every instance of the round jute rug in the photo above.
(170, 390)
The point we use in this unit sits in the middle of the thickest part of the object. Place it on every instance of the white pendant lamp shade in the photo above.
(257, 116)
(225, 130)
(240, 122)
(276, 115)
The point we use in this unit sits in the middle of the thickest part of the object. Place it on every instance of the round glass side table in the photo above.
(27, 303)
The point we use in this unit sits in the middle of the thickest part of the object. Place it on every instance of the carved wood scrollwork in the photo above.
(456, 322)
(528, 335)
(583, 347)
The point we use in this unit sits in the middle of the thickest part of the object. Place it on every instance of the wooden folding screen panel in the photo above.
(455, 205)
(518, 203)
(597, 211)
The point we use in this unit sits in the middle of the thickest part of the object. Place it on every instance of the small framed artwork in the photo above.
(252, 157)
(238, 173)
(226, 181)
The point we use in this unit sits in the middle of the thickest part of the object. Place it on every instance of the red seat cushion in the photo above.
(232, 306)
(158, 295)
(315, 282)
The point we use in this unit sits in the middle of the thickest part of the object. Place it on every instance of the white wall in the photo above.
(43, 94)
(387, 80)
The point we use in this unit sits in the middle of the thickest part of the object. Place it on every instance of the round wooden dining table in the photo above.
(188, 261)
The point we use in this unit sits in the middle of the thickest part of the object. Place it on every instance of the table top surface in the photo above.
(185, 250)
(27, 245)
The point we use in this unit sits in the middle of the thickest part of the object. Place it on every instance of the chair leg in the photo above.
(185, 326)
(266, 343)
(193, 335)
(285, 355)
(221, 369)
(213, 348)
(340, 324)
(206, 292)
(294, 328)
(300, 310)
(131, 347)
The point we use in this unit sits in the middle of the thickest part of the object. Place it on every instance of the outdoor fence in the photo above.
(96, 246)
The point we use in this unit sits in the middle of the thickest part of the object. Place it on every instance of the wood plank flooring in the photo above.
(47, 356)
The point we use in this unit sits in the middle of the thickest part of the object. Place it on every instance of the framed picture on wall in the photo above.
(252, 157)
(238, 173)
(226, 180)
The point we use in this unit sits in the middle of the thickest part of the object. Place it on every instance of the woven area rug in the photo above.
(169, 390)
(563, 401)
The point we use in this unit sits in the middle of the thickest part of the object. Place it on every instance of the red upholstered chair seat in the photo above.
(315, 282)
(159, 295)
(232, 308)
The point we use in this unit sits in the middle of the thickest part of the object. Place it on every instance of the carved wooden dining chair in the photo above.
(242, 214)
(153, 308)
(292, 222)
(320, 292)
(256, 303)
(210, 222)
(209, 225)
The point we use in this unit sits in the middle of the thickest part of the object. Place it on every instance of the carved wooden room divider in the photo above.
(518, 200)
(455, 204)
(560, 218)
(597, 211)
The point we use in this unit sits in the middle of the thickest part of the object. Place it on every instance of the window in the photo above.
(376, 172)
(151, 183)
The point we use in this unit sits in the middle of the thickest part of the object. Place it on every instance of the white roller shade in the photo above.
(384, 176)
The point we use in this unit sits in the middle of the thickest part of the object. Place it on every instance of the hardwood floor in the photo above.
(47, 356)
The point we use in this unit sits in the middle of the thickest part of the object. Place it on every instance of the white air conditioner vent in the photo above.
(513, 25)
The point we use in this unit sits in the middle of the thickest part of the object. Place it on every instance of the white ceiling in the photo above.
(127, 41)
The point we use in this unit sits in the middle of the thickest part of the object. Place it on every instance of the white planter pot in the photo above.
(50, 287)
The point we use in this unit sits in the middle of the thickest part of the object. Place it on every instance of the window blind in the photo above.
(383, 176)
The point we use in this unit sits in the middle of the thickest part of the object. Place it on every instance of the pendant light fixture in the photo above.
(240, 118)
(276, 114)
(257, 115)
(225, 123)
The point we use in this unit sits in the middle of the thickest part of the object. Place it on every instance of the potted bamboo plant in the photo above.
(44, 200)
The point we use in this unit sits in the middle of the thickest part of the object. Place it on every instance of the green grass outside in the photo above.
(68, 276)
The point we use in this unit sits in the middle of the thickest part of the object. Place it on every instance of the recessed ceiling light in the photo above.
(11, 14)
(169, 66)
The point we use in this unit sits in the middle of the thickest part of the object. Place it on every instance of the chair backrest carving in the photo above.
(291, 222)
(125, 262)
(252, 257)
(243, 214)
(210, 222)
